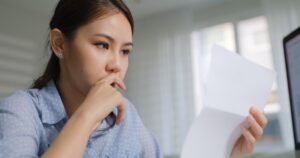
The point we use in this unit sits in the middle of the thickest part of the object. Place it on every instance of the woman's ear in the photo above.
(57, 42)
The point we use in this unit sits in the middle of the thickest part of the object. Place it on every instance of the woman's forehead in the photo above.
(113, 25)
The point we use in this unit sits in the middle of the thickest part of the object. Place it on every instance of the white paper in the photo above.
(234, 84)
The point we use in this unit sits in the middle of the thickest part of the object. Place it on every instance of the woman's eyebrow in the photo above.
(105, 36)
(128, 44)
(111, 39)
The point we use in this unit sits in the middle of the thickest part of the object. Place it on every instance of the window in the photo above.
(254, 44)
(202, 42)
(250, 38)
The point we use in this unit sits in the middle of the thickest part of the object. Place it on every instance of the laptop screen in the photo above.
(292, 58)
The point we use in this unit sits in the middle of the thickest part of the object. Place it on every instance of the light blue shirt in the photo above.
(31, 119)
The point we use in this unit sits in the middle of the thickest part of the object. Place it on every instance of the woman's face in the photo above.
(97, 50)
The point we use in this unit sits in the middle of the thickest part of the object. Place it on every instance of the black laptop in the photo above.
(292, 59)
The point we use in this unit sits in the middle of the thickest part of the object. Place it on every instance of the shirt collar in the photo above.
(51, 106)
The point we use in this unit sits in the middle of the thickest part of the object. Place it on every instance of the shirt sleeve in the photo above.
(18, 134)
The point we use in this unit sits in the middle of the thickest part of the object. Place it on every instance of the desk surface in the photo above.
(292, 154)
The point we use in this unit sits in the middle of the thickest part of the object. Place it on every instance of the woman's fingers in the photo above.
(259, 117)
(256, 129)
(250, 141)
(248, 136)
(120, 83)
(112, 78)
(121, 113)
(116, 81)
(111, 81)
(257, 122)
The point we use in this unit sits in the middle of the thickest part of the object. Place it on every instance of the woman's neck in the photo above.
(70, 95)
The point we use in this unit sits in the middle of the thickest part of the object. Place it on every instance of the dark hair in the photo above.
(69, 15)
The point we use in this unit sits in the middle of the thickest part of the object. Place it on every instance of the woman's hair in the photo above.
(69, 15)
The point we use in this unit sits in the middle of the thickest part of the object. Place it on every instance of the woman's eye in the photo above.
(103, 45)
(126, 52)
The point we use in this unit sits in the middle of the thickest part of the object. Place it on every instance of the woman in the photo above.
(75, 109)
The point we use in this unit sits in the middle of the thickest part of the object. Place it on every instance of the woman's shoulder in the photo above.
(19, 102)
(134, 118)
(131, 109)
(145, 136)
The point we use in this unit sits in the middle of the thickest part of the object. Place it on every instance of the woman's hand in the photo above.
(250, 136)
(98, 104)
(102, 98)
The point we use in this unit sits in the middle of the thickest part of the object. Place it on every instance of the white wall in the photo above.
(159, 79)
(22, 38)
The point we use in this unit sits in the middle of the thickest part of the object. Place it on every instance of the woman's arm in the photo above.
(72, 140)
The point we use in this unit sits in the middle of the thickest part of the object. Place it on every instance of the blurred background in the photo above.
(167, 69)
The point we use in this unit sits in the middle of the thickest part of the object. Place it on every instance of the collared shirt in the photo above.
(31, 119)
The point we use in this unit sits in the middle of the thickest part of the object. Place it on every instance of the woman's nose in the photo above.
(114, 64)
